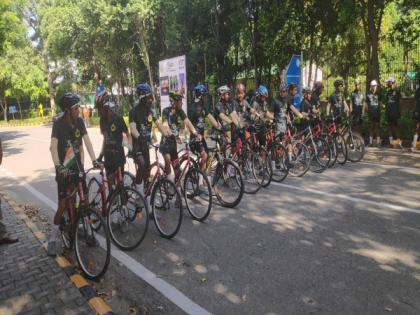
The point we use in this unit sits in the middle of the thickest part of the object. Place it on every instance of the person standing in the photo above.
(393, 110)
(357, 104)
(374, 112)
(337, 105)
(316, 96)
(417, 119)
(4, 238)
(41, 110)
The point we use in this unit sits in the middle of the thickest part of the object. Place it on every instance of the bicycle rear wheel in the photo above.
(197, 194)
(128, 218)
(92, 247)
(320, 154)
(228, 184)
(129, 180)
(278, 159)
(355, 147)
(166, 207)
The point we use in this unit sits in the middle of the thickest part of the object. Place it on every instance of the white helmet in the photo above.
(390, 79)
(373, 83)
(223, 89)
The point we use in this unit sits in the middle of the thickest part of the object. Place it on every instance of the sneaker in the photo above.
(52, 248)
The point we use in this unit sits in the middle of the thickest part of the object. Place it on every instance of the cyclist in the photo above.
(67, 138)
(172, 118)
(374, 112)
(393, 111)
(357, 104)
(306, 108)
(316, 95)
(293, 111)
(197, 117)
(141, 119)
(336, 103)
(224, 111)
(112, 127)
(260, 112)
(416, 116)
(241, 105)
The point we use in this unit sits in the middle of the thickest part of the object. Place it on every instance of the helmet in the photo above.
(199, 91)
(357, 82)
(390, 79)
(102, 98)
(373, 83)
(69, 100)
(292, 86)
(240, 87)
(337, 83)
(283, 87)
(306, 90)
(223, 89)
(143, 90)
(262, 90)
(175, 95)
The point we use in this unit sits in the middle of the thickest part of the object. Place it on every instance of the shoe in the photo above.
(8, 240)
(52, 248)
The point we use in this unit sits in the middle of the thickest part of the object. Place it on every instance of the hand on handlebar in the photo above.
(97, 164)
(62, 170)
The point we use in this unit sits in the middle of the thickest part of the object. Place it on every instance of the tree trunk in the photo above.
(4, 107)
(50, 81)
(142, 37)
(20, 108)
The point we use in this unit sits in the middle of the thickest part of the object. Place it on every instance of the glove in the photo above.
(97, 164)
(100, 158)
(62, 170)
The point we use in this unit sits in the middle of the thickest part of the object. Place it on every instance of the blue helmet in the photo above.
(262, 90)
(200, 90)
(143, 89)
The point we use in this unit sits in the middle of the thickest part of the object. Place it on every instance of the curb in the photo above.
(88, 292)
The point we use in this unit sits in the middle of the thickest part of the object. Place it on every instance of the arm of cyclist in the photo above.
(235, 119)
(89, 148)
(347, 108)
(191, 128)
(61, 169)
(213, 121)
(225, 118)
(296, 112)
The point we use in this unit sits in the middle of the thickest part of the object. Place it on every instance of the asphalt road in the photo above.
(343, 242)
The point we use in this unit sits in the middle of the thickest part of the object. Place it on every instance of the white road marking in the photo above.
(169, 291)
(354, 199)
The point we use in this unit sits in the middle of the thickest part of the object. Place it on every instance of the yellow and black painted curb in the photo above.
(87, 291)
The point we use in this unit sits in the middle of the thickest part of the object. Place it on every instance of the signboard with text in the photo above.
(172, 76)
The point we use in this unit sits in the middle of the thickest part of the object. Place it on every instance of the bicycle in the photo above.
(164, 197)
(336, 141)
(92, 246)
(277, 153)
(124, 208)
(224, 174)
(354, 141)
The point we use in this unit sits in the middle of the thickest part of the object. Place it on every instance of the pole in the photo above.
(301, 73)
(205, 68)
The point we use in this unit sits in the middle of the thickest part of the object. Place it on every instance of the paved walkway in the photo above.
(401, 157)
(31, 282)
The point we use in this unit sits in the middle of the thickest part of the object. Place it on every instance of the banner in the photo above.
(293, 75)
(172, 76)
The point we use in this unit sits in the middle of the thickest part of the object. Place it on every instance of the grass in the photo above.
(37, 121)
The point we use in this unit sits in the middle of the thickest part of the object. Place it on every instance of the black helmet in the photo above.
(69, 100)
(306, 90)
(102, 98)
(337, 83)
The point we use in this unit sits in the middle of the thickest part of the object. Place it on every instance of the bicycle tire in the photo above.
(355, 147)
(193, 177)
(167, 187)
(278, 157)
(225, 173)
(341, 149)
(95, 199)
(333, 149)
(263, 160)
(320, 154)
(121, 220)
(101, 241)
(300, 156)
(246, 164)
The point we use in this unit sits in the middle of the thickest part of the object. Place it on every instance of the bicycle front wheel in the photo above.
(278, 159)
(355, 147)
(128, 218)
(246, 163)
(166, 208)
(341, 150)
(197, 194)
(262, 166)
(301, 159)
(95, 199)
(92, 247)
(228, 184)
